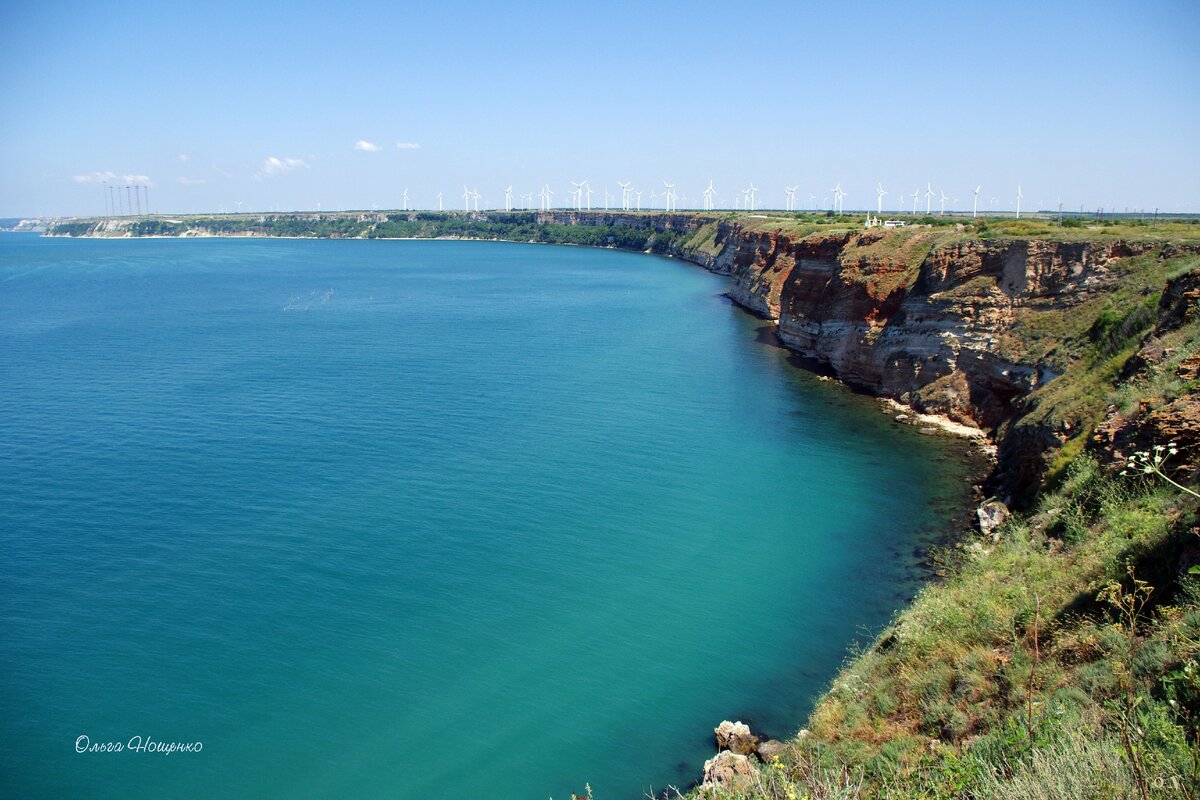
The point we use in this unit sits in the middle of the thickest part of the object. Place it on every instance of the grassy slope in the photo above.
(1041, 227)
(1090, 343)
(960, 698)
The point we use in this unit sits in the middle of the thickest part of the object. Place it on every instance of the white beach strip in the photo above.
(936, 420)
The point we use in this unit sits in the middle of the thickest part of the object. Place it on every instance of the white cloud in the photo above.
(367, 147)
(186, 181)
(408, 145)
(100, 177)
(184, 157)
(94, 177)
(274, 167)
(224, 173)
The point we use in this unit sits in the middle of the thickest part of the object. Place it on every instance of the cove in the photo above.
(421, 519)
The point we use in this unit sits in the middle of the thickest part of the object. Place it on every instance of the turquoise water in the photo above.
(419, 519)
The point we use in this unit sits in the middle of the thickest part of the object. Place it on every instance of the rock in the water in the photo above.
(727, 771)
(736, 737)
(902, 418)
(770, 749)
(992, 515)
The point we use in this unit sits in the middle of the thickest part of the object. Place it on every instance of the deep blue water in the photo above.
(419, 519)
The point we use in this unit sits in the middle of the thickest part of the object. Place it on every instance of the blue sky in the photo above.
(218, 103)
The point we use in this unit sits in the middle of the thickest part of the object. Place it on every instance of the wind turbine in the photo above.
(928, 196)
(879, 201)
(790, 191)
(508, 198)
(440, 201)
(752, 191)
(466, 199)
(639, 200)
(589, 195)
(670, 195)
(406, 199)
(916, 196)
(838, 194)
(942, 212)
(975, 203)
(1019, 196)
(475, 194)
(708, 196)
(577, 194)
(625, 192)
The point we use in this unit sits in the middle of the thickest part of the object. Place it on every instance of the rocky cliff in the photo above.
(950, 324)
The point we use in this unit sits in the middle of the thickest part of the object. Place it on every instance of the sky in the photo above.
(221, 106)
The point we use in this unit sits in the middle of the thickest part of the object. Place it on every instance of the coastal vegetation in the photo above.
(515, 226)
(1058, 659)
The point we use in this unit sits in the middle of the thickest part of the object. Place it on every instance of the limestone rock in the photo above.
(770, 749)
(992, 515)
(727, 770)
(736, 737)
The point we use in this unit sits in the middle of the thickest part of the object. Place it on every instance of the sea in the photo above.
(421, 519)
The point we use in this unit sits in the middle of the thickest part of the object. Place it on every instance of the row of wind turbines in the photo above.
(745, 199)
(839, 195)
(880, 193)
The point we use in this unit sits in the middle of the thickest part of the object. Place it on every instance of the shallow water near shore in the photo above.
(421, 519)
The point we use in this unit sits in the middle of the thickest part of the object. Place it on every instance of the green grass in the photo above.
(958, 698)
(702, 241)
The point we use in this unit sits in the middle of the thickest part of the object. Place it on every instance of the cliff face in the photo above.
(937, 325)
(686, 222)
(937, 343)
